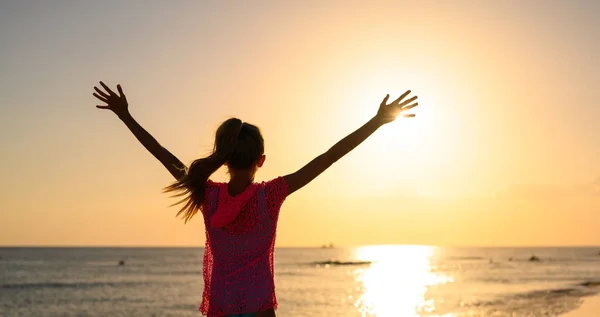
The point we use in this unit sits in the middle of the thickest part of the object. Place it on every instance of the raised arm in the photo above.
(387, 113)
(118, 105)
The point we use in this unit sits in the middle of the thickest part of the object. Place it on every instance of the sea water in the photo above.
(389, 280)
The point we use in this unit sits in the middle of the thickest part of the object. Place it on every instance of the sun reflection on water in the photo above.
(397, 281)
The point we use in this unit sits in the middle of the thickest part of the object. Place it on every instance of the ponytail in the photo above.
(192, 186)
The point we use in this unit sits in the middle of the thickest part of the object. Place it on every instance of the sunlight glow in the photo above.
(408, 147)
(405, 135)
(397, 281)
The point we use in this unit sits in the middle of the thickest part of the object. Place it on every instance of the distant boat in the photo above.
(121, 263)
(327, 246)
(534, 258)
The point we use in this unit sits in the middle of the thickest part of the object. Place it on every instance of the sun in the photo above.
(408, 152)
(404, 136)
(404, 150)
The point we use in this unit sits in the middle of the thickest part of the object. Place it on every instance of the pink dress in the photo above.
(240, 239)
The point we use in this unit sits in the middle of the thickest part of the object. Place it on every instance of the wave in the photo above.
(167, 272)
(467, 258)
(575, 291)
(590, 284)
(335, 262)
(292, 274)
(82, 285)
(552, 301)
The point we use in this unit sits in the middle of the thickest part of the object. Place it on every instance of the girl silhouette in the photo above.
(240, 216)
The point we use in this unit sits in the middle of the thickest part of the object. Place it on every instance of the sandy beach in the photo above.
(589, 308)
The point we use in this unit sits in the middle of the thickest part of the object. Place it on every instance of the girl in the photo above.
(240, 216)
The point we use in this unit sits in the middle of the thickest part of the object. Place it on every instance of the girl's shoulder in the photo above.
(275, 183)
(211, 185)
(276, 186)
(276, 190)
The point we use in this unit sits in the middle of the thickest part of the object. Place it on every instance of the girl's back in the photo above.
(240, 239)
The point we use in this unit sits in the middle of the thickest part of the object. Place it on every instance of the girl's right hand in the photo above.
(389, 112)
(116, 103)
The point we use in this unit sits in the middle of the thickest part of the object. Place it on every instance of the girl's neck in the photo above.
(238, 184)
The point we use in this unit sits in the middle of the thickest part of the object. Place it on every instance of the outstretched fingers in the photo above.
(101, 98)
(101, 93)
(384, 102)
(408, 101)
(107, 89)
(402, 96)
(121, 94)
(409, 115)
(410, 106)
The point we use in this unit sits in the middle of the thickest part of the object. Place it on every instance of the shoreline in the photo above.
(589, 308)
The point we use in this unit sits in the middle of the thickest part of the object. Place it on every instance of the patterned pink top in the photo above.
(240, 239)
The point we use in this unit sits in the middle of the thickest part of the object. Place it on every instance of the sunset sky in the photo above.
(504, 150)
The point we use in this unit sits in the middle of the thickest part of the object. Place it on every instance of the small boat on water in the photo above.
(534, 258)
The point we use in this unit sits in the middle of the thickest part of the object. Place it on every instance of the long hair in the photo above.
(237, 143)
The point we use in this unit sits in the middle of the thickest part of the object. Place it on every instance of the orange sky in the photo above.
(503, 151)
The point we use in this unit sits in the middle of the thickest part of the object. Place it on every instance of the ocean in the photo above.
(382, 281)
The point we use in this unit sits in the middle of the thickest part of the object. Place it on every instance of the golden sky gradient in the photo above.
(504, 149)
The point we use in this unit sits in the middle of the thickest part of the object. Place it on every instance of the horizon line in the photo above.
(297, 246)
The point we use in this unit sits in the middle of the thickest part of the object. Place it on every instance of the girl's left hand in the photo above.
(117, 103)
(389, 112)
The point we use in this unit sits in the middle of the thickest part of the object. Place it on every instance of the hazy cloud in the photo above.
(538, 191)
